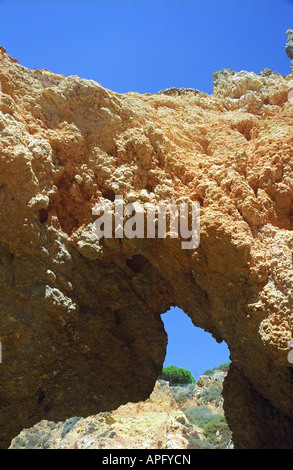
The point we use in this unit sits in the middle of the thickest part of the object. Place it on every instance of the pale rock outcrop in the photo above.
(160, 422)
(80, 323)
(289, 46)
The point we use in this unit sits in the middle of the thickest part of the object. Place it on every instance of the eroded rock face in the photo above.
(80, 323)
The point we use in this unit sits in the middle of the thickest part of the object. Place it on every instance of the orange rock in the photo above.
(80, 324)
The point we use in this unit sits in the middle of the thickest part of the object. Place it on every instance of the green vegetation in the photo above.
(183, 392)
(222, 367)
(217, 432)
(199, 415)
(211, 394)
(195, 442)
(175, 375)
(215, 427)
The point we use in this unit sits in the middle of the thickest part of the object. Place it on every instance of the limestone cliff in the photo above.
(80, 324)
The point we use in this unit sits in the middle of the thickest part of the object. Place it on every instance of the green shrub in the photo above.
(180, 398)
(215, 428)
(183, 392)
(217, 432)
(199, 415)
(211, 394)
(222, 367)
(176, 375)
(194, 443)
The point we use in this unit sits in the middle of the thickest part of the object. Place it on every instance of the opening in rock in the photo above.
(196, 355)
(190, 347)
(43, 215)
(109, 194)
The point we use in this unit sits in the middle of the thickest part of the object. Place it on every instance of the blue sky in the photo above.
(189, 347)
(145, 46)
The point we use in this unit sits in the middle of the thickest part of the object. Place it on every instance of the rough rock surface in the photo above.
(80, 324)
(157, 423)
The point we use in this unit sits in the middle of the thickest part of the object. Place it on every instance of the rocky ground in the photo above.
(178, 417)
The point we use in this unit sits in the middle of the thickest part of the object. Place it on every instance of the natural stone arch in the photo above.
(80, 320)
(190, 347)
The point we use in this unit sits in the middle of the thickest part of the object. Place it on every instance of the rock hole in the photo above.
(244, 128)
(150, 188)
(201, 400)
(191, 347)
(43, 215)
(109, 194)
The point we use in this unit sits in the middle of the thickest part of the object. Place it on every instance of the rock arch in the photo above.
(80, 324)
(190, 347)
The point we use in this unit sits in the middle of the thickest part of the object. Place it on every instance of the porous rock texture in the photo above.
(80, 326)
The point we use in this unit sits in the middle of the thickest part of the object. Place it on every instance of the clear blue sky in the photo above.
(145, 46)
(189, 347)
